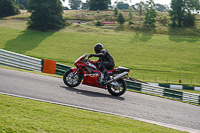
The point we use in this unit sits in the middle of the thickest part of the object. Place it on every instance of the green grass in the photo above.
(151, 57)
(190, 91)
(22, 115)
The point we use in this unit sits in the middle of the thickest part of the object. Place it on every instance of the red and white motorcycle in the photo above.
(92, 76)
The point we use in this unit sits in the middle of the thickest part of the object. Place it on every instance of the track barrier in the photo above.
(12, 59)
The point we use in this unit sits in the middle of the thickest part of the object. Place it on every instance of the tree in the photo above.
(183, 12)
(45, 15)
(150, 14)
(75, 4)
(116, 12)
(130, 13)
(133, 6)
(8, 8)
(189, 20)
(120, 18)
(22, 4)
(140, 8)
(95, 5)
(84, 5)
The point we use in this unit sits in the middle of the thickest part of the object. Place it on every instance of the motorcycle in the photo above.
(92, 76)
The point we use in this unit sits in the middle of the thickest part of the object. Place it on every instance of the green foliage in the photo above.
(131, 22)
(122, 5)
(116, 12)
(182, 12)
(98, 23)
(46, 15)
(95, 5)
(189, 20)
(84, 5)
(75, 4)
(120, 18)
(140, 8)
(150, 14)
(130, 13)
(164, 20)
(22, 4)
(6, 130)
(8, 8)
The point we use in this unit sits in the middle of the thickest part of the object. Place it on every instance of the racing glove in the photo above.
(91, 55)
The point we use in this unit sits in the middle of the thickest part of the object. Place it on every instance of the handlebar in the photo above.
(87, 59)
(91, 61)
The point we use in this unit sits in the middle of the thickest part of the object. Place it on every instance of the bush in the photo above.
(116, 12)
(131, 22)
(98, 23)
(120, 18)
(164, 20)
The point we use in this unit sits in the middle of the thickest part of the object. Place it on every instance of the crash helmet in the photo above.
(98, 47)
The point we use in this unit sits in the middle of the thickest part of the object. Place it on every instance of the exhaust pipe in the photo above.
(117, 77)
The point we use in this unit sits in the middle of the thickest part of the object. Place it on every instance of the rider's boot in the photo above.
(106, 76)
(104, 70)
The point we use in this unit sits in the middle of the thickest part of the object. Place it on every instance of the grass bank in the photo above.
(22, 115)
(151, 57)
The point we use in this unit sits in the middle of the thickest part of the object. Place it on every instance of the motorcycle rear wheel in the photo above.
(69, 80)
(117, 92)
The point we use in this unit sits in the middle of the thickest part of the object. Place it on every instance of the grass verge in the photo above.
(151, 57)
(22, 115)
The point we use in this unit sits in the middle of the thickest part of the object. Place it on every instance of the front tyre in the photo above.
(71, 80)
(117, 91)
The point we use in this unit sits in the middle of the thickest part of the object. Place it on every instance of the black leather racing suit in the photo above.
(106, 61)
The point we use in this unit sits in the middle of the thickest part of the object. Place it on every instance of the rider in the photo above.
(106, 60)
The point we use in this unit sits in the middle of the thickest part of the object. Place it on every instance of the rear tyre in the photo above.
(71, 81)
(117, 92)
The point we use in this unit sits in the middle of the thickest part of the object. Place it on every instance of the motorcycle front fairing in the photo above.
(79, 63)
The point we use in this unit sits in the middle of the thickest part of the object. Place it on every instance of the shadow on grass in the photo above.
(143, 37)
(26, 41)
(190, 39)
(182, 35)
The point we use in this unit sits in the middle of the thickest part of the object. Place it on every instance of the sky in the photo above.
(132, 2)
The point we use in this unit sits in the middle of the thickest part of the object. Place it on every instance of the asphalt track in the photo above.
(142, 107)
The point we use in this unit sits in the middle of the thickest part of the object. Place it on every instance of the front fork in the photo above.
(75, 72)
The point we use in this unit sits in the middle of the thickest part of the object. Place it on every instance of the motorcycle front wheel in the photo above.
(71, 80)
(116, 91)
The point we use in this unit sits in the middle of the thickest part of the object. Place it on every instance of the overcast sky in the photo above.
(131, 2)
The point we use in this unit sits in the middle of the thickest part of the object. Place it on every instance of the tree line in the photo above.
(47, 15)
(78, 4)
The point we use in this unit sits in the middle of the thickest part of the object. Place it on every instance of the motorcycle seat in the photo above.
(119, 70)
